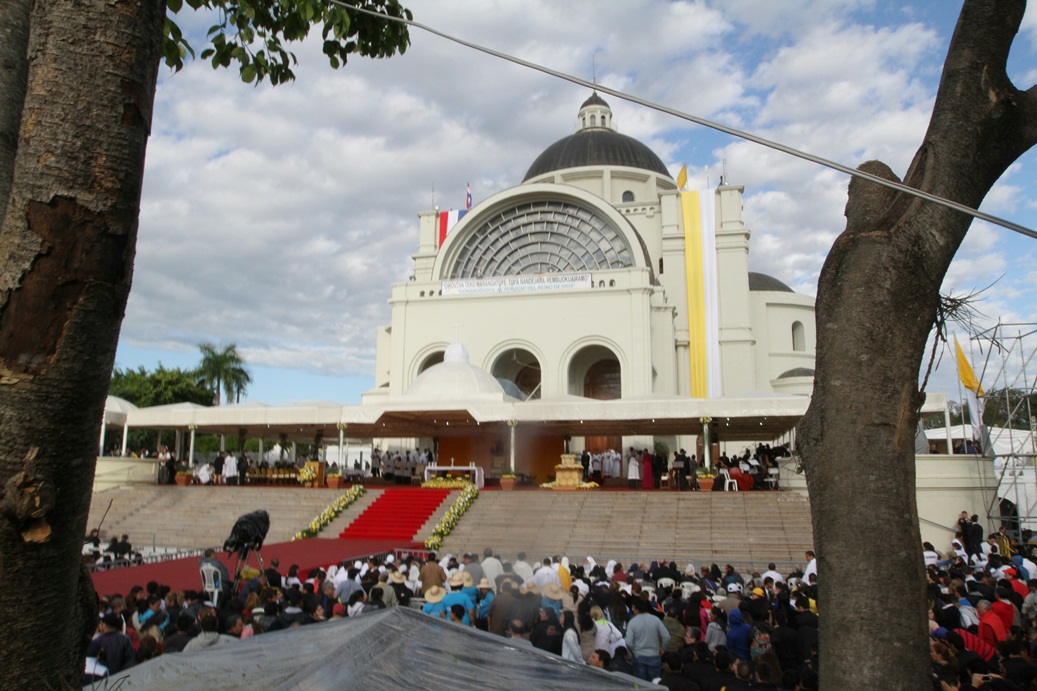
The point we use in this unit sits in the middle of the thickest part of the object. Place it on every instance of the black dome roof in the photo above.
(764, 282)
(596, 147)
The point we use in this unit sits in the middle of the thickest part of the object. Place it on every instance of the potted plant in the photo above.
(705, 480)
(336, 481)
(184, 476)
(507, 482)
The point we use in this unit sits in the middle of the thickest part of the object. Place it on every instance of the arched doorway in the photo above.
(595, 373)
(519, 372)
(433, 359)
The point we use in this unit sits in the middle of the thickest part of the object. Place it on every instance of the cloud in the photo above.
(278, 218)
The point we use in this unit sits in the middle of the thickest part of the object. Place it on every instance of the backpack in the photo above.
(761, 641)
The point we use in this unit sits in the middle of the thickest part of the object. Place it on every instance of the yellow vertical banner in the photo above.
(698, 365)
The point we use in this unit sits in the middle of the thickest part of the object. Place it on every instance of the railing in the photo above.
(140, 559)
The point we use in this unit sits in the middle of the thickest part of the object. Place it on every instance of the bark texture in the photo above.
(66, 255)
(877, 300)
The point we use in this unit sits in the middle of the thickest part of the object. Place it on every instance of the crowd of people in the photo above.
(689, 628)
(686, 628)
(983, 609)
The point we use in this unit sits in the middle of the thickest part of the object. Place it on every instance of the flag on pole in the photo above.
(973, 391)
(468, 197)
(682, 177)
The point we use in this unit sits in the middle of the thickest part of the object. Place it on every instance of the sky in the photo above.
(277, 218)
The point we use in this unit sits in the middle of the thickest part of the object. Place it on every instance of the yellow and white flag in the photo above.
(700, 260)
(973, 392)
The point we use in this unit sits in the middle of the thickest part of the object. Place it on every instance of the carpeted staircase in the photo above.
(397, 515)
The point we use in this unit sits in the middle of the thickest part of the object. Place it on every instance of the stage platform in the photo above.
(182, 574)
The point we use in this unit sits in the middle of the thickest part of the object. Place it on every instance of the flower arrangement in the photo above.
(447, 483)
(307, 474)
(248, 573)
(705, 473)
(582, 485)
(509, 476)
(183, 469)
(330, 513)
(453, 515)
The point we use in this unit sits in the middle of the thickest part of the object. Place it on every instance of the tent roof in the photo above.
(743, 418)
(397, 647)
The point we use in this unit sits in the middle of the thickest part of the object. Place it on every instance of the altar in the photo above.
(569, 475)
(475, 471)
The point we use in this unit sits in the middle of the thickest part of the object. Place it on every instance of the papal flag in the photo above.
(973, 393)
(700, 261)
(682, 177)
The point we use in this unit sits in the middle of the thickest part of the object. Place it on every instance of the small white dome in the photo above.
(455, 379)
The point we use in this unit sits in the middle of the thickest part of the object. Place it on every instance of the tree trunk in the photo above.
(877, 301)
(66, 247)
(14, 37)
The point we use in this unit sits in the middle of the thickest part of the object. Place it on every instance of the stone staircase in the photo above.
(748, 529)
(197, 517)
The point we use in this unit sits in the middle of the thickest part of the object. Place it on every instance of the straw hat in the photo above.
(552, 591)
(397, 577)
(456, 581)
(435, 594)
(466, 579)
(484, 584)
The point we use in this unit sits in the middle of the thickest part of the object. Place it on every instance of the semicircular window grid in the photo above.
(542, 237)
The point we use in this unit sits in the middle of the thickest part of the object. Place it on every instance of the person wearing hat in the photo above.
(733, 599)
(468, 587)
(112, 646)
(457, 596)
(434, 602)
(551, 598)
(398, 584)
(485, 598)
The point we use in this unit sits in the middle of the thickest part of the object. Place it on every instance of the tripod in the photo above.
(244, 552)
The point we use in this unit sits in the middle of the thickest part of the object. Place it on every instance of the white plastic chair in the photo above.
(665, 583)
(730, 484)
(772, 478)
(211, 581)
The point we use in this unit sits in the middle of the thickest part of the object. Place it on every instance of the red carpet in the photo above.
(396, 515)
(182, 574)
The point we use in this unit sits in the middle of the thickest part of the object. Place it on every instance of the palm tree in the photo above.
(223, 370)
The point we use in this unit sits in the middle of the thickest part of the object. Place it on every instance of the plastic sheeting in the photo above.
(398, 648)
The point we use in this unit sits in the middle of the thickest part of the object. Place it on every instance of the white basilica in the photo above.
(597, 277)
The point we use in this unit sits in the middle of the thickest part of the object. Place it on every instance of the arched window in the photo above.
(628, 196)
(799, 337)
(594, 121)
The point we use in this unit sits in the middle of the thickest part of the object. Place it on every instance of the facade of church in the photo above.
(597, 277)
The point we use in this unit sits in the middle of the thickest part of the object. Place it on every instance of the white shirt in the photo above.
(546, 575)
(523, 570)
(811, 569)
(778, 578)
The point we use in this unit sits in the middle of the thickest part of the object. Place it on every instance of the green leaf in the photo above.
(248, 74)
(174, 5)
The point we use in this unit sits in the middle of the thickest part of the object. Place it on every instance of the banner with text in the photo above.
(498, 285)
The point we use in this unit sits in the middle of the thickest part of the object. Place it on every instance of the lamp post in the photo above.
(706, 443)
(511, 443)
